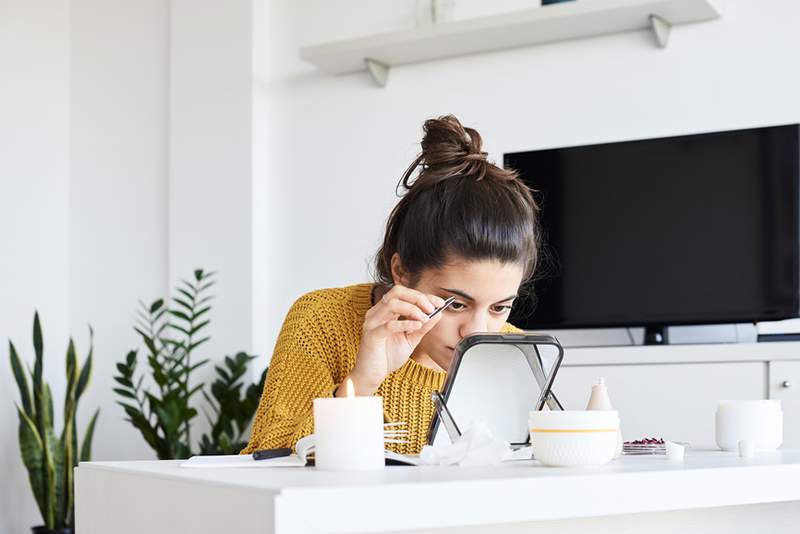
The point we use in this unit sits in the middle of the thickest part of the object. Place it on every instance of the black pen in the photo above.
(267, 454)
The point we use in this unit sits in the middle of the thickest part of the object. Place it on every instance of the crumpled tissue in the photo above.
(476, 446)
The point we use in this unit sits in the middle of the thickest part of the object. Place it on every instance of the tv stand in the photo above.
(655, 335)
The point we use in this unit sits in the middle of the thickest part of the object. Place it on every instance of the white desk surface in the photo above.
(520, 491)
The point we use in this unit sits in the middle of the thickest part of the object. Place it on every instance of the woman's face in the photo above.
(484, 291)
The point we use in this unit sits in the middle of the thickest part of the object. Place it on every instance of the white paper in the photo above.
(241, 460)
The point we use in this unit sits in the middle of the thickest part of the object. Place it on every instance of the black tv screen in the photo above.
(678, 230)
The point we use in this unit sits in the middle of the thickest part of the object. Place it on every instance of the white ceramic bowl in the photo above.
(759, 421)
(574, 438)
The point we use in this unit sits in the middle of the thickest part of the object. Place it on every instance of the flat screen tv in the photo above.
(693, 229)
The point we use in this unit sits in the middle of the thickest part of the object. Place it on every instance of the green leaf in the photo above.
(180, 315)
(122, 381)
(164, 325)
(47, 409)
(49, 468)
(198, 364)
(86, 448)
(183, 303)
(204, 300)
(182, 330)
(86, 372)
(124, 393)
(188, 287)
(201, 312)
(38, 348)
(222, 373)
(72, 380)
(198, 327)
(198, 343)
(32, 451)
(186, 294)
(205, 286)
(22, 381)
(71, 361)
(212, 405)
(156, 305)
(198, 274)
(148, 341)
(159, 376)
(158, 315)
(65, 463)
(147, 431)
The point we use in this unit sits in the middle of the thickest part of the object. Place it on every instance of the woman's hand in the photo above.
(392, 329)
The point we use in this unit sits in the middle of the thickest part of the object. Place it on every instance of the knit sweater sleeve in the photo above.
(299, 372)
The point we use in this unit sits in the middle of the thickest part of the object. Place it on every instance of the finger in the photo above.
(436, 300)
(396, 307)
(415, 336)
(410, 295)
(398, 326)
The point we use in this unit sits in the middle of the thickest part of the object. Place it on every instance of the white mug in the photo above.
(759, 421)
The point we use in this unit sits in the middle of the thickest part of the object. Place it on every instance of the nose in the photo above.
(474, 322)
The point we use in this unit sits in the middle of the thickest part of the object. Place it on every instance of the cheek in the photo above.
(496, 323)
(446, 332)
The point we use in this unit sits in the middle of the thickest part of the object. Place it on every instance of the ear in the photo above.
(398, 272)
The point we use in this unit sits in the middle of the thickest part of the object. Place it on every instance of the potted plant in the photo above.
(163, 408)
(50, 458)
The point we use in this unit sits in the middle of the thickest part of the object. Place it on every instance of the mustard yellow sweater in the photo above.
(316, 349)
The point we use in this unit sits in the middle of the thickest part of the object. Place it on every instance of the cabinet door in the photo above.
(671, 401)
(784, 385)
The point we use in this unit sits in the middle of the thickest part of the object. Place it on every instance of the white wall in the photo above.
(34, 182)
(118, 200)
(210, 178)
(125, 162)
(340, 143)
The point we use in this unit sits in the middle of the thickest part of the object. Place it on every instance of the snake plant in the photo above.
(49, 458)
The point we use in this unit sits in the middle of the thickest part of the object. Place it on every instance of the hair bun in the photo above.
(446, 139)
(449, 149)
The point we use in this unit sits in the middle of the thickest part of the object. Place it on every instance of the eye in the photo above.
(501, 308)
(457, 306)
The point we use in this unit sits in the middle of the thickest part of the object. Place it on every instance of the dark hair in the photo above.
(459, 206)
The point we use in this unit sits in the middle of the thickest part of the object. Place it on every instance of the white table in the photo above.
(711, 491)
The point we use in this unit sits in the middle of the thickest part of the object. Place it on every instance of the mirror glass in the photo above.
(499, 383)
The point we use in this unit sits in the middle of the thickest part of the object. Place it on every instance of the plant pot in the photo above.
(44, 530)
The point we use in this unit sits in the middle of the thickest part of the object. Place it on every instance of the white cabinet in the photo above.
(784, 385)
(673, 401)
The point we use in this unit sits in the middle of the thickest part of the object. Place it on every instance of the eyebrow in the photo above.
(472, 299)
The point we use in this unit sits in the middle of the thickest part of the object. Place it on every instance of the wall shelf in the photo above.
(376, 54)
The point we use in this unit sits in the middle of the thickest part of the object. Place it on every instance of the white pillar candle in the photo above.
(348, 433)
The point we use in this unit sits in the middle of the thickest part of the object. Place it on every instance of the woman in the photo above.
(464, 228)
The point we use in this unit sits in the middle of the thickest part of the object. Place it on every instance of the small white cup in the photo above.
(675, 451)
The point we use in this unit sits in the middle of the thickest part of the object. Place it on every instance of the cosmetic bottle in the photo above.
(599, 400)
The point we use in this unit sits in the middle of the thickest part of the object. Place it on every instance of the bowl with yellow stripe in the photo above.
(574, 438)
